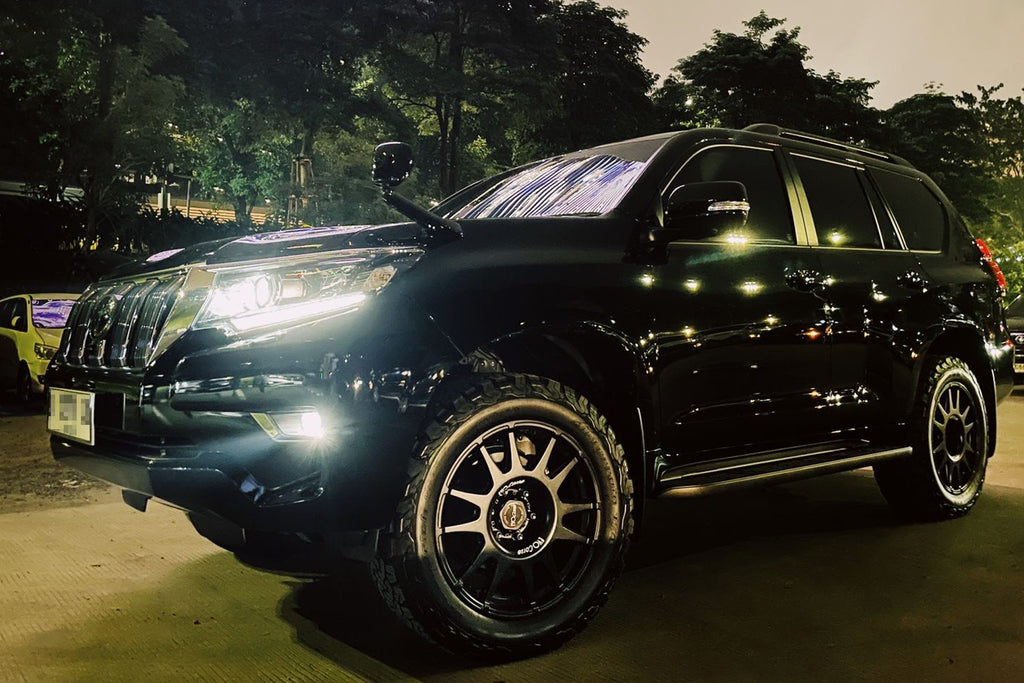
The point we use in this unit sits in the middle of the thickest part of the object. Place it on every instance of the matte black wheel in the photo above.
(947, 471)
(515, 521)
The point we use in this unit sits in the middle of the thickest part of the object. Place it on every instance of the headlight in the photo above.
(274, 293)
(44, 352)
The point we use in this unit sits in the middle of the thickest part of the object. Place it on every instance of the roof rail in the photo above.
(779, 131)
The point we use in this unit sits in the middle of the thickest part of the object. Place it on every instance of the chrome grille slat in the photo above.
(128, 314)
(151, 319)
(136, 318)
(80, 334)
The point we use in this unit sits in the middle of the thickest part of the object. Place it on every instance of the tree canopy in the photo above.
(278, 105)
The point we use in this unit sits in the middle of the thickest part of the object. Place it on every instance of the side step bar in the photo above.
(702, 479)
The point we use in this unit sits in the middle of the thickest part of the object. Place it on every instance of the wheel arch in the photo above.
(594, 361)
(967, 344)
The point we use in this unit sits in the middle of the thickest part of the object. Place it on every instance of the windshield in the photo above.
(51, 313)
(589, 182)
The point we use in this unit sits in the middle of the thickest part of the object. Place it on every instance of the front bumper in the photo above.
(183, 430)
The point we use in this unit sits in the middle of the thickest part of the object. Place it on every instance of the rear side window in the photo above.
(840, 209)
(770, 219)
(918, 212)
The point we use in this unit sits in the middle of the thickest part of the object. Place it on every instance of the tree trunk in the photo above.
(100, 173)
(441, 111)
(242, 211)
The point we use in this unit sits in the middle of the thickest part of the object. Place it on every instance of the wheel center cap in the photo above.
(955, 438)
(513, 515)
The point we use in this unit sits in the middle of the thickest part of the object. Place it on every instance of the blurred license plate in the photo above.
(72, 415)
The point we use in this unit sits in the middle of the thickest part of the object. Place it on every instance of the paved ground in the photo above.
(812, 581)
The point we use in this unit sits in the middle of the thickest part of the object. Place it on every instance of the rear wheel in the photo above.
(945, 475)
(515, 521)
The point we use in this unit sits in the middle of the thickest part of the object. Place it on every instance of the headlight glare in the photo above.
(269, 294)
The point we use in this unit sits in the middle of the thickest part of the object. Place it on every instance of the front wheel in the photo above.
(23, 389)
(945, 475)
(515, 521)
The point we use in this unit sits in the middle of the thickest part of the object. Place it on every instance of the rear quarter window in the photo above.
(919, 214)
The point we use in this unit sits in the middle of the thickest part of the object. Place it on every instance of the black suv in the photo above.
(480, 401)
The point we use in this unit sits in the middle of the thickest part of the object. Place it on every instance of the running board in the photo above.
(702, 479)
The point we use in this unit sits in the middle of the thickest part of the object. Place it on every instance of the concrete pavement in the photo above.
(810, 581)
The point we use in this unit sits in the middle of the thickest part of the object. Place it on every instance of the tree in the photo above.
(600, 87)
(443, 58)
(1002, 125)
(761, 76)
(102, 76)
(265, 77)
(944, 139)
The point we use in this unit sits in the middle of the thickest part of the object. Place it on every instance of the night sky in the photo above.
(901, 43)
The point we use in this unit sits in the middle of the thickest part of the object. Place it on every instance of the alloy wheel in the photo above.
(957, 456)
(517, 520)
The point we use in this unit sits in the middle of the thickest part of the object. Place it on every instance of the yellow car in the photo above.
(30, 330)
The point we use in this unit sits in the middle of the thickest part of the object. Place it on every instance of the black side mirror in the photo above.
(701, 210)
(392, 163)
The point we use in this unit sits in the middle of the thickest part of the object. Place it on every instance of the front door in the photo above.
(742, 350)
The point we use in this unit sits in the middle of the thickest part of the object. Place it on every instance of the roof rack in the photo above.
(779, 131)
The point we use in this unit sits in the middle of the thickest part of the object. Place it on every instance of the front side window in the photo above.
(19, 316)
(6, 313)
(918, 212)
(770, 219)
(51, 313)
(840, 209)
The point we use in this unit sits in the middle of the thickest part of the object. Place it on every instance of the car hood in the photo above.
(275, 244)
(1015, 325)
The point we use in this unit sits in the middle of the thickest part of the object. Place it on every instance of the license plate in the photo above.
(1018, 367)
(72, 415)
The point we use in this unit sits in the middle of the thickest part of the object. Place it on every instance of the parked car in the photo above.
(30, 329)
(480, 402)
(1015, 322)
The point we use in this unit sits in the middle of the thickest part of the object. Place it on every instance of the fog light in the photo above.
(299, 424)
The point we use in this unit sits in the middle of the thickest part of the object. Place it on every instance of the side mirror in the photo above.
(701, 210)
(392, 163)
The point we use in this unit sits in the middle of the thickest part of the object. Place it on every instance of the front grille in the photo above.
(117, 325)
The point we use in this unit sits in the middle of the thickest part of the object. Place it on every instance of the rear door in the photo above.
(873, 284)
(741, 352)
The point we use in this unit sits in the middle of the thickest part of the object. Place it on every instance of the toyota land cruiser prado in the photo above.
(480, 401)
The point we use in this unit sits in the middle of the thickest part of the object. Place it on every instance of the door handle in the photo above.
(804, 280)
(912, 280)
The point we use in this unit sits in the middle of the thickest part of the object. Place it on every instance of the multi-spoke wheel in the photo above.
(515, 521)
(947, 471)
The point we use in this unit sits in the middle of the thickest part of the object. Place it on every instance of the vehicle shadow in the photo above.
(10, 406)
(330, 616)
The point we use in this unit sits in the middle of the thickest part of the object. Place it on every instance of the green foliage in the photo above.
(944, 140)
(236, 149)
(90, 85)
(600, 87)
(761, 76)
(101, 97)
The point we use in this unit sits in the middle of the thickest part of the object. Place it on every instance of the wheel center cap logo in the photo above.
(513, 515)
(103, 317)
